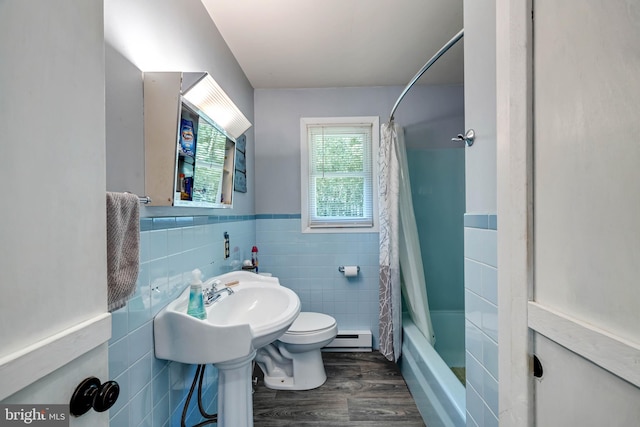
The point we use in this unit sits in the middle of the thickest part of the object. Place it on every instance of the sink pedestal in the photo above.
(235, 402)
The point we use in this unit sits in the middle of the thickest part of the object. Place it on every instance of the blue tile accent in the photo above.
(483, 221)
(146, 224)
(493, 222)
(200, 220)
(278, 216)
(184, 221)
(476, 221)
(163, 223)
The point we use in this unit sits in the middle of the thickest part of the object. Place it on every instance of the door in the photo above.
(586, 212)
(53, 303)
(570, 120)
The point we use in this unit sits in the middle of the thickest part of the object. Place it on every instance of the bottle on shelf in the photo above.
(254, 258)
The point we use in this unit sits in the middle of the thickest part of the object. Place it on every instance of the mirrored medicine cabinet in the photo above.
(189, 157)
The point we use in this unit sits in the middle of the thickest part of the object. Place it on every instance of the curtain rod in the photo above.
(426, 66)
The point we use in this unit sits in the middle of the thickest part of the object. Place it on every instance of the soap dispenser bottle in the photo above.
(196, 301)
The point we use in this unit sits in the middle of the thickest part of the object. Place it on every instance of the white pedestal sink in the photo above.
(257, 313)
(235, 402)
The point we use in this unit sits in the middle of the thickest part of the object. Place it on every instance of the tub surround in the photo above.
(437, 180)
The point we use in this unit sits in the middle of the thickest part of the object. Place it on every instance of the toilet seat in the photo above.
(311, 322)
(310, 328)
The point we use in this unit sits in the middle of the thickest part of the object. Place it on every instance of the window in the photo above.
(339, 174)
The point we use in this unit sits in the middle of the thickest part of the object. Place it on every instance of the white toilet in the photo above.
(294, 362)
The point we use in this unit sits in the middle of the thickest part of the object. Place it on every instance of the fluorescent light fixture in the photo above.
(209, 97)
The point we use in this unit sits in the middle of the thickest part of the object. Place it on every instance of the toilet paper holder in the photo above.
(341, 269)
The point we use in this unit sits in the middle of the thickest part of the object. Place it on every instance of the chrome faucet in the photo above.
(211, 295)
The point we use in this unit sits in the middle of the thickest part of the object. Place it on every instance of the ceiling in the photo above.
(340, 43)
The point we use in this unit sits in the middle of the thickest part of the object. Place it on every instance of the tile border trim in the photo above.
(482, 221)
(168, 222)
(278, 216)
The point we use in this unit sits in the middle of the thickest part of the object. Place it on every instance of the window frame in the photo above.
(346, 226)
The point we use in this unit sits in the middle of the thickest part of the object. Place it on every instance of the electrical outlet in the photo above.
(226, 245)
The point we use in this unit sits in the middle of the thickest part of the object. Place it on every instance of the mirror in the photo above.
(205, 159)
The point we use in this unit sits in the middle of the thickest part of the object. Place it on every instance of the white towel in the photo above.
(123, 242)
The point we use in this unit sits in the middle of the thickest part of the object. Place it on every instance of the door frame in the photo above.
(518, 314)
(514, 123)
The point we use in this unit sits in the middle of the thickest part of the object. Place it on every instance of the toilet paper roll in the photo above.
(350, 270)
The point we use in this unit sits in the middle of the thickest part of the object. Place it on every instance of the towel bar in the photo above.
(143, 199)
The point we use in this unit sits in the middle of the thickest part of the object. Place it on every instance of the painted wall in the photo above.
(53, 263)
(165, 35)
(69, 152)
(141, 36)
(277, 123)
(480, 102)
(481, 339)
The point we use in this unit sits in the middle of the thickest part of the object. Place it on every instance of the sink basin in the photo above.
(256, 314)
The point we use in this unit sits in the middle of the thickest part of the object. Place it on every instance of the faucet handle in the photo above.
(213, 284)
(207, 295)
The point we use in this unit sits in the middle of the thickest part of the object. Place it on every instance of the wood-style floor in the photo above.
(362, 389)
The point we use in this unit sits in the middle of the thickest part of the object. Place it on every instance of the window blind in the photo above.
(340, 175)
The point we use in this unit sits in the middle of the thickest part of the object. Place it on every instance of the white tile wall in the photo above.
(481, 327)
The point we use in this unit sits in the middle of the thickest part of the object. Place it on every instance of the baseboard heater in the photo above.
(350, 341)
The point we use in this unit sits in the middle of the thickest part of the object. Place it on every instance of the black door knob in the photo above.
(90, 393)
(106, 397)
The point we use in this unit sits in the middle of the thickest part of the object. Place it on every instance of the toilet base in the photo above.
(308, 371)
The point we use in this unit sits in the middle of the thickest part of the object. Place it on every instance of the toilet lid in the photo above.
(310, 322)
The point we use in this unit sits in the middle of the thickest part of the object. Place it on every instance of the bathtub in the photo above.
(439, 395)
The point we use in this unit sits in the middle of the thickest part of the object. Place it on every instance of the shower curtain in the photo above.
(401, 269)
